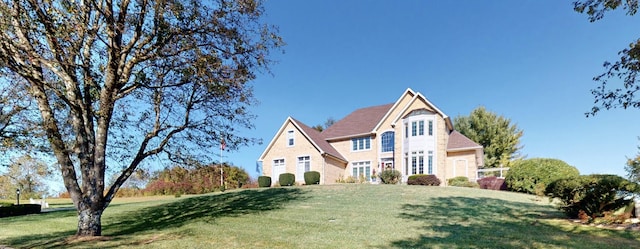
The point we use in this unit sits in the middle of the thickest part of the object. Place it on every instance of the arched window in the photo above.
(387, 141)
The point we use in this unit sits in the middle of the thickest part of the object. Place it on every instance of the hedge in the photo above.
(493, 183)
(592, 195)
(533, 175)
(264, 181)
(462, 181)
(422, 179)
(22, 209)
(311, 177)
(287, 179)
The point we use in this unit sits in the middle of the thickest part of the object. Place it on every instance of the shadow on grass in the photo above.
(170, 215)
(202, 208)
(462, 222)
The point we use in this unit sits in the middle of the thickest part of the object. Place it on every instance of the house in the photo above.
(411, 135)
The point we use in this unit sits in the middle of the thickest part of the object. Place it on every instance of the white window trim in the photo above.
(293, 137)
(370, 144)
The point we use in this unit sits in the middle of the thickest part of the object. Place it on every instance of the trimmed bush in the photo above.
(264, 181)
(462, 181)
(533, 175)
(390, 176)
(592, 196)
(422, 179)
(311, 177)
(492, 182)
(22, 209)
(287, 179)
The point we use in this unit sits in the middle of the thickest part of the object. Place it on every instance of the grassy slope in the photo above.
(335, 216)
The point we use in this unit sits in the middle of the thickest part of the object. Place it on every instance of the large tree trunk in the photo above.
(89, 222)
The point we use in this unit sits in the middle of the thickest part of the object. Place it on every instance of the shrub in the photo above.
(390, 176)
(22, 209)
(348, 179)
(533, 175)
(462, 181)
(311, 177)
(493, 183)
(287, 179)
(591, 195)
(422, 179)
(264, 181)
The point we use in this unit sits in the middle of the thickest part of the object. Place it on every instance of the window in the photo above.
(305, 163)
(430, 163)
(421, 128)
(387, 141)
(430, 127)
(420, 162)
(414, 128)
(361, 169)
(413, 163)
(363, 143)
(290, 138)
(278, 162)
(406, 130)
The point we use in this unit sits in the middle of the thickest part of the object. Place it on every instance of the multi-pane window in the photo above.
(362, 143)
(430, 127)
(406, 130)
(421, 128)
(290, 138)
(417, 162)
(414, 162)
(420, 162)
(430, 163)
(278, 162)
(304, 162)
(414, 128)
(387, 141)
(361, 169)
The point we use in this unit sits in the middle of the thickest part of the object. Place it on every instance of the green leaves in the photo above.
(500, 138)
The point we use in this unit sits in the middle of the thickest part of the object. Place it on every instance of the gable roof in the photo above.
(313, 136)
(360, 122)
(316, 138)
(458, 142)
(419, 96)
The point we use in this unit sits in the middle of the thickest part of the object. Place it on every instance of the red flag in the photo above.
(223, 144)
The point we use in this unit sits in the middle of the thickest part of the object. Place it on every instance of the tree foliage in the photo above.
(27, 174)
(533, 175)
(633, 168)
(625, 68)
(199, 180)
(117, 82)
(592, 195)
(500, 138)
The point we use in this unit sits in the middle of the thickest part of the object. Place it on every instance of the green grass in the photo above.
(335, 216)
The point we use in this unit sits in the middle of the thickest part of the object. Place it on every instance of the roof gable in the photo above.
(419, 97)
(311, 135)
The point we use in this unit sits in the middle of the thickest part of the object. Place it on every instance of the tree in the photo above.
(500, 138)
(633, 168)
(27, 174)
(626, 68)
(320, 128)
(118, 82)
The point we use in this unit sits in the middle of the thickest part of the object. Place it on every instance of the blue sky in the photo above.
(530, 61)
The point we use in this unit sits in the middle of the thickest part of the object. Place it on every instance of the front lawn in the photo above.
(333, 216)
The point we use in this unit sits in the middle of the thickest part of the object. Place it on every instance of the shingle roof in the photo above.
(360, 121)
(319, 140)
(458, 141)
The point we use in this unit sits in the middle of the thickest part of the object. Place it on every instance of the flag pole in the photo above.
(222, 145)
